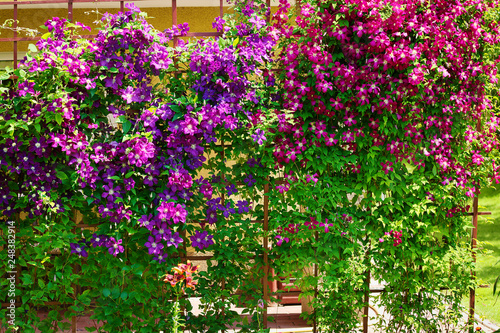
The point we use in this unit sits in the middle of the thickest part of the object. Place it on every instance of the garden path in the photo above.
(287, 320)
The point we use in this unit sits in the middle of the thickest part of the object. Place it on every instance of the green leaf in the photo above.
(4, 76)
(32, 48)
(59, 118)
(115, 293)
(138, 297)
(37, 127)
(64, 326)
(13, 186)
(126, 126)
(61, 175)
(20, 73)
(236, 41)
(46, 35)
(124, 295)
(175, 108)
(90, 329)
(76, 308)
(45, 259)
(343, 23)
(106, 292)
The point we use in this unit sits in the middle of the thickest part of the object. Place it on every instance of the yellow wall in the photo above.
(199, 18)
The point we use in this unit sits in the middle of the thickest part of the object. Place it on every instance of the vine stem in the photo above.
(176, 316)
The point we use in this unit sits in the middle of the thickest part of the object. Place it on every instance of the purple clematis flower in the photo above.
(147, 222)
(161, 232)
(154, 245)
(128, 94)
(250, 181)
(243, 206)
(259, 136)
(161, 257)
(79, 249)
(114, 81)
(173, 239)
(231, 189)
(111, 192)
(202, 240)
(99, 240)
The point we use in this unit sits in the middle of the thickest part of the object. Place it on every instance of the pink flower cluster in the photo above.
(388, 82)
(172, 212)
(290, 230)
(396, 235)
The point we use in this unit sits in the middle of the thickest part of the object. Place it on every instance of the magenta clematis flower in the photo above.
(179, 214)
(115, 246)
(189, 126)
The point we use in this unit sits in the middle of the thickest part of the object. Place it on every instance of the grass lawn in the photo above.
(487, 267)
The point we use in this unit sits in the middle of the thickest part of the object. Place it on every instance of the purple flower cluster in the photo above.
(201, 239)
(102, 133)
(113, 246)
(171, 212)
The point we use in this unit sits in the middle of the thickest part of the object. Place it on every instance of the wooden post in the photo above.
(15, 36)
(367, 291)
(268, 17)
(475, 208)
(316, 265)
(70, 10)
(367, 302)
(223, 201)
(266, 248)
(75, 268)
(265, 228)
(174, 19)
(472, 295)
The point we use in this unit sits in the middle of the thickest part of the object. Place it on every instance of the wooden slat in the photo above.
(478, 213)
(48, 2)
(15, 34)
(265, 248)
